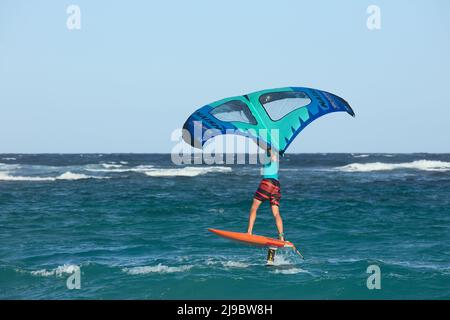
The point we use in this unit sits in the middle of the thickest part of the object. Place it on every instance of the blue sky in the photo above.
(137, 69)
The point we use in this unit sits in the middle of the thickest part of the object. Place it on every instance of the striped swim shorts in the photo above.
(269, 189)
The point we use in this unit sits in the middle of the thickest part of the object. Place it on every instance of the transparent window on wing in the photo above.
(279, 104)
(234, 110)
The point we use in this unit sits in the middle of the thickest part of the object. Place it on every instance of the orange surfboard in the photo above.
(255, 240)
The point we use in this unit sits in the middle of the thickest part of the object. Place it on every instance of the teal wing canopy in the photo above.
(274, 117)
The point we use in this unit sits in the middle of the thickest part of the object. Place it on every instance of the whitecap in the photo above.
(343, 260)
(59, 271)
(235, 264)
(111, 165)
(227, 263)
(5, 176)
(160, 268)
(426, 165)
(142, 168)
(290, 271)
(119, 169)
(73, 176)
(186, 171)
(361, 155)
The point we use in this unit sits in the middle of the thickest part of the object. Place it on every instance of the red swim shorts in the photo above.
(269, 189)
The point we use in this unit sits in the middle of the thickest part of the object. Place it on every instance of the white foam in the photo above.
(107, 170)
(227, 263)
(235, 264)
(280, 260)
(186, 171)
(344, 260)
(141, 168)
(7, 166)
(160, 268)
(418, 265)
(5, 176)
(426, 165)
(9, 159)
(111, 165)
(210, 262)
(59, 271)
(360, 155)
(290, 271)
(76, 176)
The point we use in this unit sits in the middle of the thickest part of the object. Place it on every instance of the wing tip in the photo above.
(350, 110)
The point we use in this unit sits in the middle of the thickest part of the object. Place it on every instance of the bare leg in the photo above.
(251, 219)
(278, 220)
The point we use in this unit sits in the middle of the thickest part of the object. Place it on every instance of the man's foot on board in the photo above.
(281, 236)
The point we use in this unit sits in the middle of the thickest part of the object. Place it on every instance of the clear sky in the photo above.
(137, 69)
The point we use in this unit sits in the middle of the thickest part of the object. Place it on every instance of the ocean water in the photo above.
(135, 226)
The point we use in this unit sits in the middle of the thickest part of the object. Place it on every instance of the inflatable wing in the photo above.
(255, 115)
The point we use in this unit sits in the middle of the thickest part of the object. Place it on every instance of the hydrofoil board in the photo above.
(255, 240)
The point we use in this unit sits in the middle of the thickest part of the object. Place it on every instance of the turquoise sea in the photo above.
(135, 227)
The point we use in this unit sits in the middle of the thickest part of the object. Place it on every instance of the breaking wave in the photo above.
(59, 271)
(5, 176)
(426, 165)
(186, 172)
(75, 176)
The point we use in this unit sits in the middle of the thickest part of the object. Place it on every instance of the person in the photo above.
(269, 189)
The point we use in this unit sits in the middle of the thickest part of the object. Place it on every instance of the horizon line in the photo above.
(168, 153)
